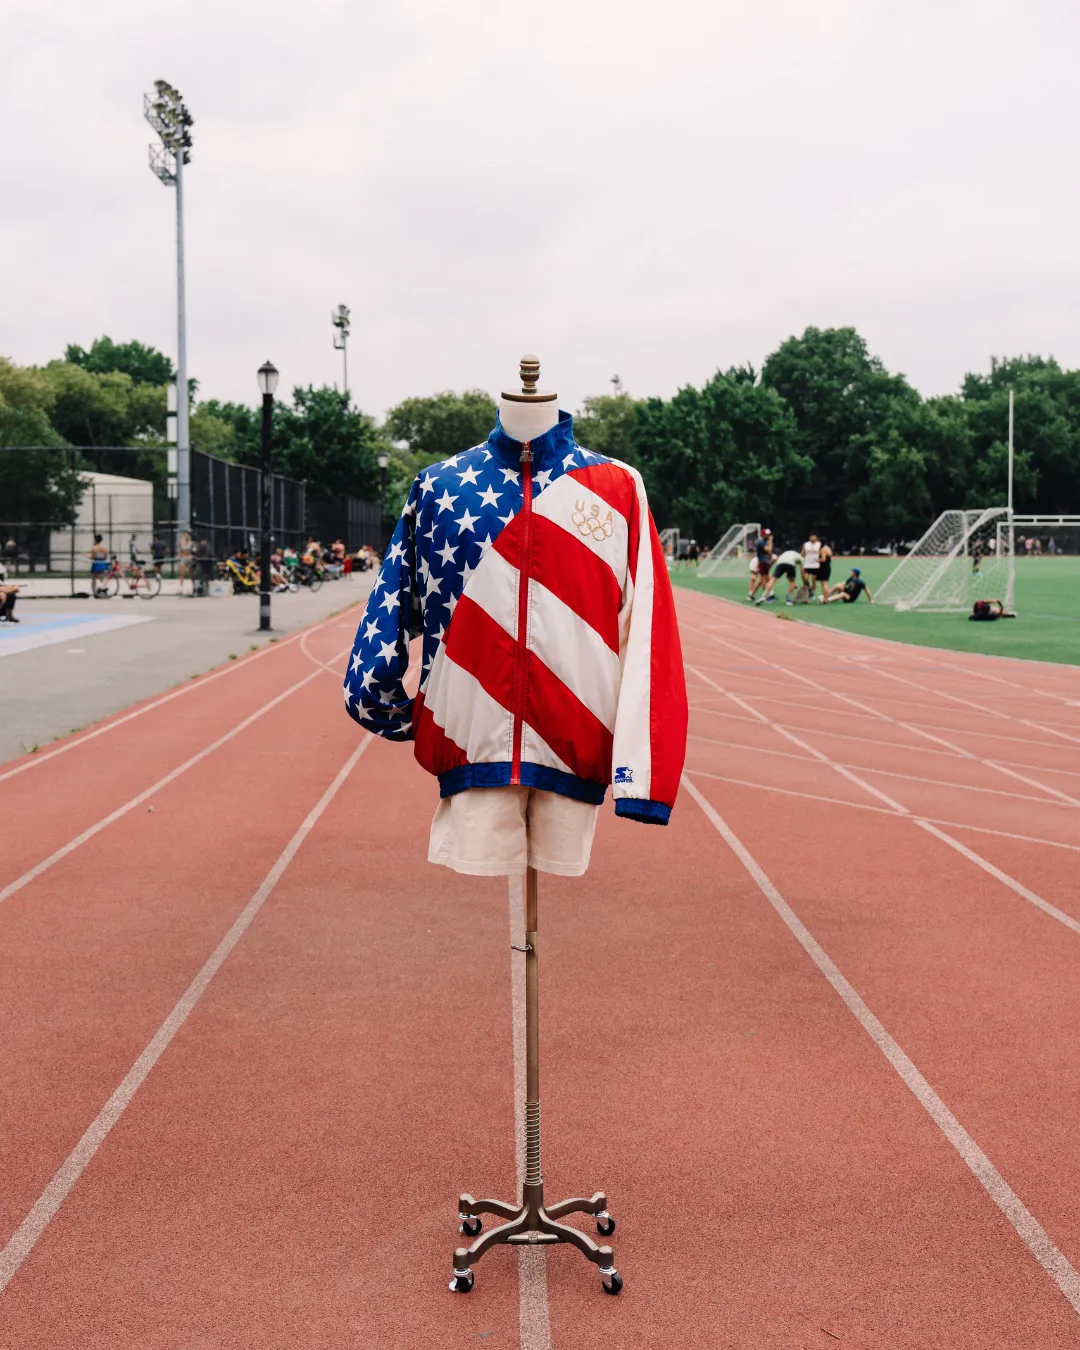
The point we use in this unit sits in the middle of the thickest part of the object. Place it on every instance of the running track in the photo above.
(817, 1039)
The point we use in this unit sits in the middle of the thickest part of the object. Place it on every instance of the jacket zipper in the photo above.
(521, 652)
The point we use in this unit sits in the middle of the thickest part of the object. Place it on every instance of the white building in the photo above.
(114, 507)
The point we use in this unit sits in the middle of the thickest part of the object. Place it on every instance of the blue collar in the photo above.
(548, 449)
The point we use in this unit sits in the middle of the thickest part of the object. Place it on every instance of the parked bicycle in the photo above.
(131, 578)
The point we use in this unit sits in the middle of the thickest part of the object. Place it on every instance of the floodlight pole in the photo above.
(183, 440)
(1011, 408)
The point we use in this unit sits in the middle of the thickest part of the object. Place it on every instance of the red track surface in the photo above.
(284, 1175)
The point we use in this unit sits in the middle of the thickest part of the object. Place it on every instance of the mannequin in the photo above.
(527, 414)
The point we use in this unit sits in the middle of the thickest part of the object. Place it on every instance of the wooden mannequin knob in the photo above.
(530, 375)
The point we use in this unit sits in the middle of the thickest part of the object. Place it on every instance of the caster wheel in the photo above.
(462, 1284)
(611, 1283)
(470, 1225)
(605, 1224)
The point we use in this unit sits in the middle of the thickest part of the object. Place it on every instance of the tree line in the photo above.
(822, 438)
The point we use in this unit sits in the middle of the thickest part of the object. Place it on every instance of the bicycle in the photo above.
(244, 578)
(145, 584)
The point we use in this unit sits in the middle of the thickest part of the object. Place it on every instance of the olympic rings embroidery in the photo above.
(593, 524)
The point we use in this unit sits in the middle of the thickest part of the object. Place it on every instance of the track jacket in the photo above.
(550, 652)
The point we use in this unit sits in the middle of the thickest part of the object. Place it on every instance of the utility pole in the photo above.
(616, 385)
(167, 114)
(340, 319)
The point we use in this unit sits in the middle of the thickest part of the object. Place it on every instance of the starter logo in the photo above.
(592, 524)
(624, 775)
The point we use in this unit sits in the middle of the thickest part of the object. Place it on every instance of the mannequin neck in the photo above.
(527, 421)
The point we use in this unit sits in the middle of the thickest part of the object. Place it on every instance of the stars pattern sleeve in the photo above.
(374, 693)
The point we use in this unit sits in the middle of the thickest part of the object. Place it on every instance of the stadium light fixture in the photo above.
(167, 114)
(340, 319)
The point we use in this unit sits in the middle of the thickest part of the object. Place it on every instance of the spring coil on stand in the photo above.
(532, 1144)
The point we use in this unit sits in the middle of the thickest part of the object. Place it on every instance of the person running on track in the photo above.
(850, 591)
(811, 561)
(789, 564)
(759, 574)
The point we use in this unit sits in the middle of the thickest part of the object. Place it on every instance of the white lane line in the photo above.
(914, 728)
(1017, 887)
(187, 688)
(534, 1318)
(141, 797)
(1024, 1223)
(23, 1240)
(882, 811)
(890, 773)
(890, 646)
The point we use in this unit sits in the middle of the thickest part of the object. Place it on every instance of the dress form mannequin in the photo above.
(525, 416)
(527, 413)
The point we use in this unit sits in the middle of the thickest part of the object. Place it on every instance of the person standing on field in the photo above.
(811, 560)
(788, 565)
(759, 575)
(825, 557)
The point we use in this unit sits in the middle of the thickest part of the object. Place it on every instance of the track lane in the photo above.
(288, 1174)
(95, 951)
(64, 796)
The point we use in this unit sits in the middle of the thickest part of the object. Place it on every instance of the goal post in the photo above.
(727, 557)
(963, 557)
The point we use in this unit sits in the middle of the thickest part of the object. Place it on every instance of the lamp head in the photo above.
(268, 377)
(382, 459)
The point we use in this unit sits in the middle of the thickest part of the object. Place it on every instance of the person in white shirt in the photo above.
(789, 564)
(811, 559)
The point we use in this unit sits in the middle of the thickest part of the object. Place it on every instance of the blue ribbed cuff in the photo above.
(649, 813)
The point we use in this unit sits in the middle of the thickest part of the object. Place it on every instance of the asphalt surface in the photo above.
(54, 689)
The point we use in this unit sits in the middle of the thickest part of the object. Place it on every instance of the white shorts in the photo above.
(499, 831)
(753, 565)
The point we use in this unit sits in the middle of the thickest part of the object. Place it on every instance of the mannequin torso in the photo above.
(527, 421)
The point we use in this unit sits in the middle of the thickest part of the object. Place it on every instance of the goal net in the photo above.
(669, 542)
(727, 558)
(963, 557)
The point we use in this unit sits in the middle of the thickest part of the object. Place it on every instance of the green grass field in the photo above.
(1047, 604)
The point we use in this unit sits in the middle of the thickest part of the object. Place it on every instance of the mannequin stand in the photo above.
(531, 1222)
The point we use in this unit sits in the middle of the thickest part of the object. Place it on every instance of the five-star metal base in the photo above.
(531, 1222)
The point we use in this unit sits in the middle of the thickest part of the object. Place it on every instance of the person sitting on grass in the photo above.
(850, 591)
(789, 564)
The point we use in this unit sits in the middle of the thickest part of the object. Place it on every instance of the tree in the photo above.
(437, 427)
(145, 365)
(719, 454)
(36, 479)
(323, 439)
(104, 409)
(848, 411)
(606, 425)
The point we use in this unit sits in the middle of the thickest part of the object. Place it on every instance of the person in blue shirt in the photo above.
(850, 591)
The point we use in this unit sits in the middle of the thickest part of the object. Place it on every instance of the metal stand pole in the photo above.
(532, 1221)
(265, 484)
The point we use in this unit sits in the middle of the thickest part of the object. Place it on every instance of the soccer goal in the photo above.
(963, 557)
(669, 542)
(727, 558)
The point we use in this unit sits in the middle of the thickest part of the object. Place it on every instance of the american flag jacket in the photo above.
(550, 655)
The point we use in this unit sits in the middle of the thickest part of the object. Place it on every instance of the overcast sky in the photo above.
(654, 189)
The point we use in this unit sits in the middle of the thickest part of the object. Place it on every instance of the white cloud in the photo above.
(656, 190)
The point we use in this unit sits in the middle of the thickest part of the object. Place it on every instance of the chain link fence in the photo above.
(56, 500)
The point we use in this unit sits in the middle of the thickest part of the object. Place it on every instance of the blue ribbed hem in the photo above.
(636, 808)
(532, 776)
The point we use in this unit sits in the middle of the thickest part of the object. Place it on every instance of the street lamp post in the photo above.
(167, 114)
(382, 460)
(268, 378)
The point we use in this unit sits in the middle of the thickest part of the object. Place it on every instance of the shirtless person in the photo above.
(99, 565)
